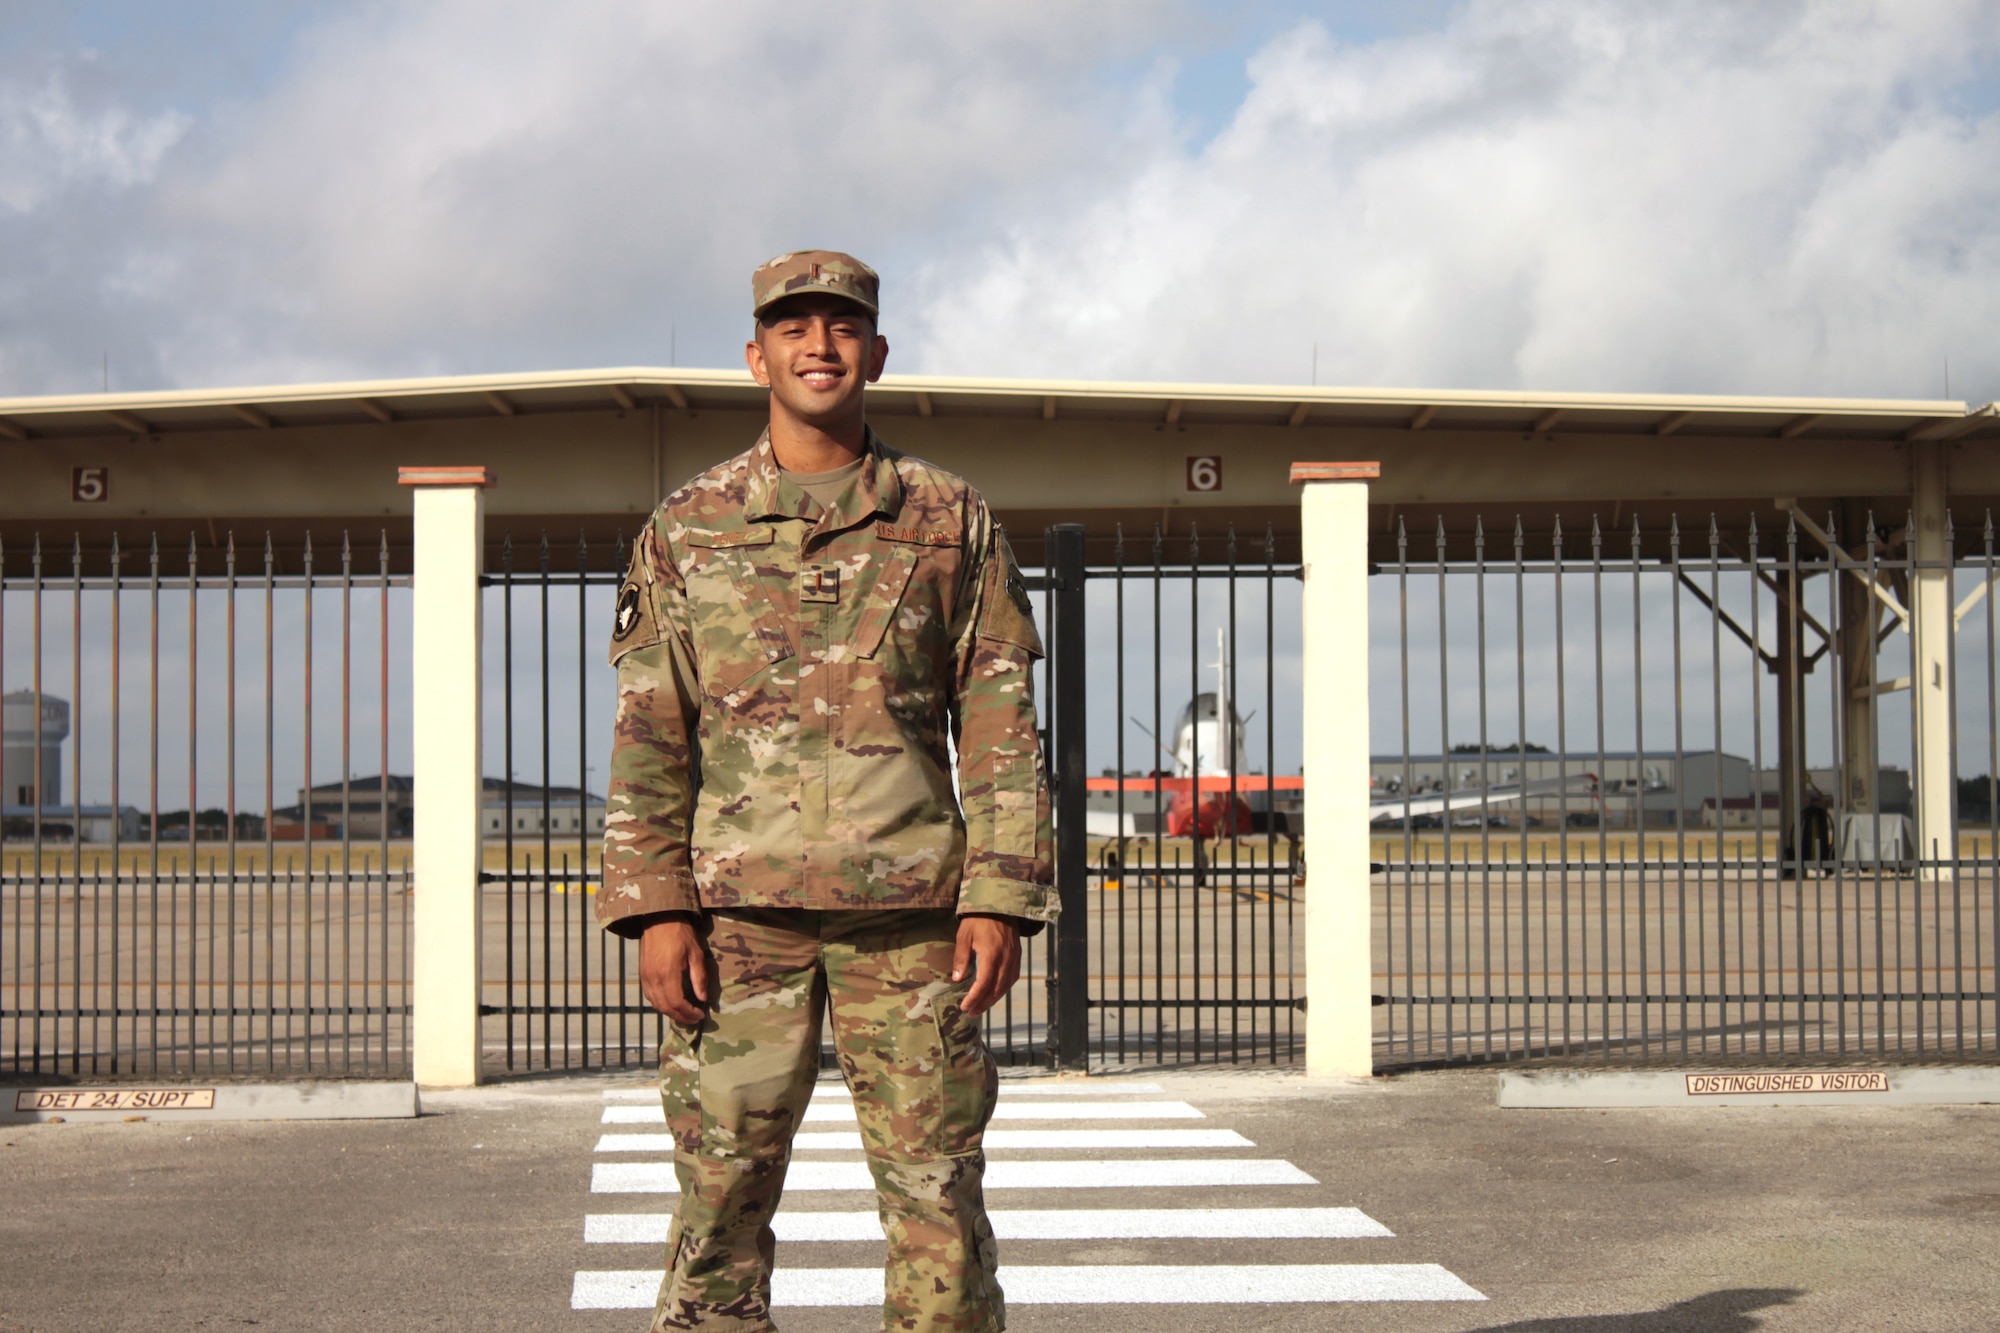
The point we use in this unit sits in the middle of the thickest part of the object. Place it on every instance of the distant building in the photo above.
(1633, 787)
(361, 806)
(1892, 786)
(517, 808)
(29, 778)
(1741, 812)
(1660, 785)
(92, 823)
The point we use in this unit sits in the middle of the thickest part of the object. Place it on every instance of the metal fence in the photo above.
(1178, 838)
(1644, 800)
(230, 936)
(1639, 796)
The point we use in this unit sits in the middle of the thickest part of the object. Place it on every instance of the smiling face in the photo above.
(817, 354)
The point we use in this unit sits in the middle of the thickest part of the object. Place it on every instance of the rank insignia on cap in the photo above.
(827, 272)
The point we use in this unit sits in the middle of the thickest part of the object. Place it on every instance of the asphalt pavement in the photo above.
(1132, 1201)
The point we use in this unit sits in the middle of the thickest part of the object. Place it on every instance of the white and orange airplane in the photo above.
(1210, 779)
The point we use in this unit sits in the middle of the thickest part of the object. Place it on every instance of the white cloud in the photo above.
(1704, 195)
(497, 184)
(1698, 196)
(49, 142)
(471, 183)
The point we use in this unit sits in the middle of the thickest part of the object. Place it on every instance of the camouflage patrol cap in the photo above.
(827, 271)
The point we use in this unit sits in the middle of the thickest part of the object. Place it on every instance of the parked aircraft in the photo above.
(1210, 775)
(1209, 781)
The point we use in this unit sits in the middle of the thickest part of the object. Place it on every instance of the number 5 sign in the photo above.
(1204, 472)
(89, 485)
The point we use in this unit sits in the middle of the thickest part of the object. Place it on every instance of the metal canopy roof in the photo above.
(275, 407)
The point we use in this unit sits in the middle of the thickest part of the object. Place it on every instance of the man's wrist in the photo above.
(1017, 922)
(639, 925)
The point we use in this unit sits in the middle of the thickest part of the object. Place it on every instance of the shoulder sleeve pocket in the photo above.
(635, 620)
(1005, 613)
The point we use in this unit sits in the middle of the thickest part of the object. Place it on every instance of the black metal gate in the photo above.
(1180, 875)
(1174, 948)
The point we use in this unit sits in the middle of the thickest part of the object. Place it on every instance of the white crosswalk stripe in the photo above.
(834, 1092)
(996, 1139)
(1069, 1109)
(1040, 1224)
(1086, 1284)
(837, 1112)
(1136, 1173)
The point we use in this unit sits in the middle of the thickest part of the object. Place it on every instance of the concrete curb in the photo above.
(1559, 1088)
(118, 1102)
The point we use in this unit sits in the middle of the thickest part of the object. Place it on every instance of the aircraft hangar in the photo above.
(592, 451)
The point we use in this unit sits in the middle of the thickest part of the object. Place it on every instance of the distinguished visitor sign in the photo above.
(1788, 1081)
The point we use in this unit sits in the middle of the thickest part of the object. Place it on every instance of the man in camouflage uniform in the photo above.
(805, 634)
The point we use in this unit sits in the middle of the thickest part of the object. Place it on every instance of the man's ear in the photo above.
(753, 357)
(878, 358)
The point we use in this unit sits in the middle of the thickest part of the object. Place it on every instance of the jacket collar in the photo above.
(878, 490)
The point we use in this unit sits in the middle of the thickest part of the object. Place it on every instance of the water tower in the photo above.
(26, 776)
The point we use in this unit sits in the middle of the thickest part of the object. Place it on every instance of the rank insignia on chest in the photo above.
(819, 583)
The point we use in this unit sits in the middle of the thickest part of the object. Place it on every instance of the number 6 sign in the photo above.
(1204, 472)
(89, 485)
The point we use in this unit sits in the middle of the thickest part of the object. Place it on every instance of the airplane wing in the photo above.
(1241, 784)
(1387, 810)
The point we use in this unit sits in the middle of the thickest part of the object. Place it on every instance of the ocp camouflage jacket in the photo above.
(791, 682)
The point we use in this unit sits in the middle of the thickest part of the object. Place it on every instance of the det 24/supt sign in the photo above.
(115, 1099)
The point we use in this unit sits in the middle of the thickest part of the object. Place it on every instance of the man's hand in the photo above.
(674, 970)
(996, 942)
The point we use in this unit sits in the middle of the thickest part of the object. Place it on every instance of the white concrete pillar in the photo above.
(450, 536)
(1339, 949)
(1935, 789)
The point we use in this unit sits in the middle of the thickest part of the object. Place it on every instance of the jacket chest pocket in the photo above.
(880, 602)
(737, 630)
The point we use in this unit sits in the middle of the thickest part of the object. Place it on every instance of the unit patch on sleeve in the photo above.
(1017, 589)
(635, 618)
(627, 617)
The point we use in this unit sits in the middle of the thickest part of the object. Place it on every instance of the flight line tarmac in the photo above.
(1130, 1201)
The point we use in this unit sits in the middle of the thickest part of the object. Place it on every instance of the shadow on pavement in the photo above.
(1718, 1312)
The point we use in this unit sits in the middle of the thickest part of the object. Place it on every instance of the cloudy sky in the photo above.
(1678, 196)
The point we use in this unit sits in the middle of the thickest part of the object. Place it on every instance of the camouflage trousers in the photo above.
(736, 1088)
